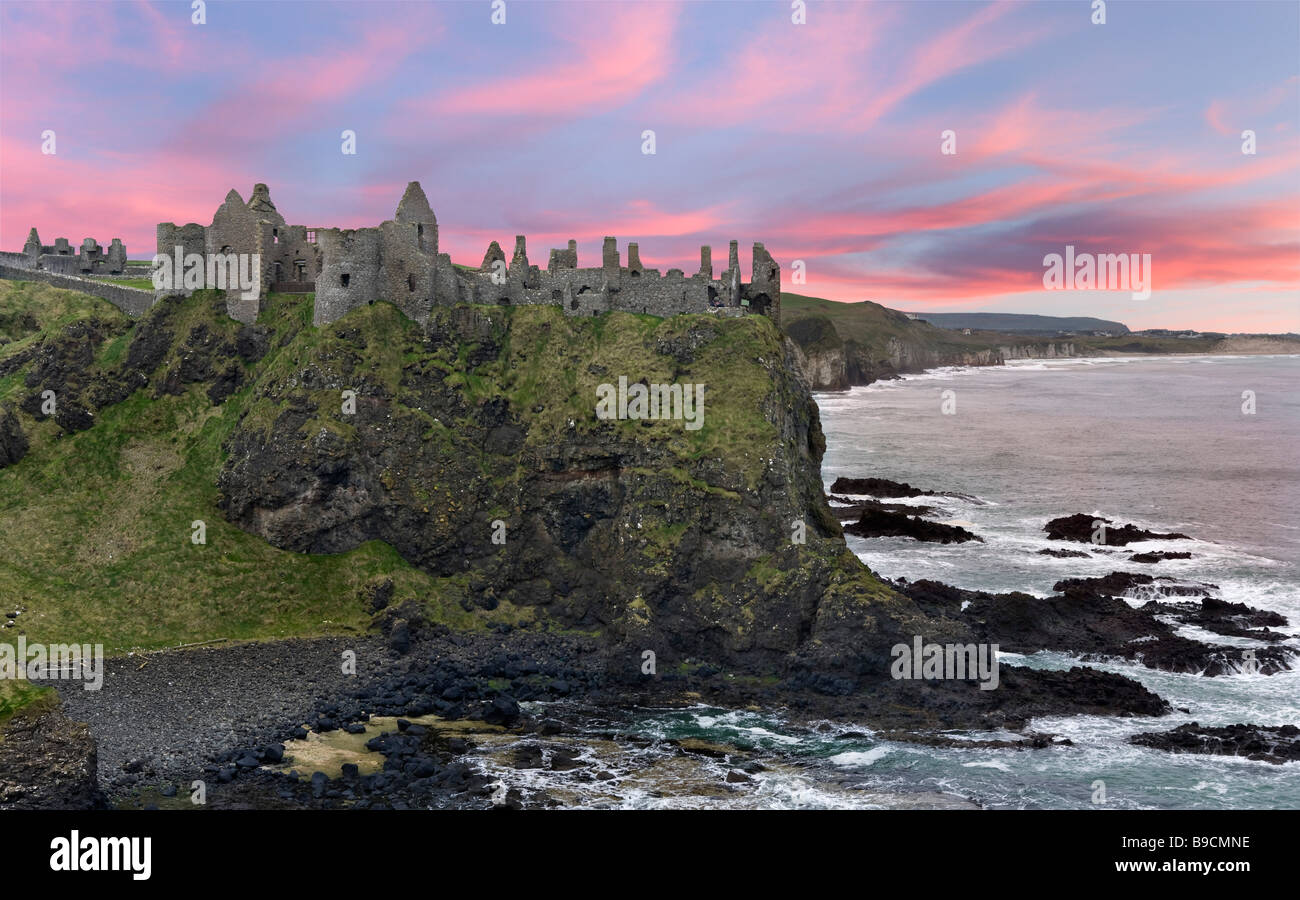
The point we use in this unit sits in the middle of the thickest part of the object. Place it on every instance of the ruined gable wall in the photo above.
(235, 229)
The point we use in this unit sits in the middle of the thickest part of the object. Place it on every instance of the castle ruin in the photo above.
(61, 258)
(399, 261)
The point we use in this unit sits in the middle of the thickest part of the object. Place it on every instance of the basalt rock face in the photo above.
(47, 761)
(475, 451)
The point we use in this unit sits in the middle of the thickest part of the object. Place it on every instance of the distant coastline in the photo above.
(837, 346)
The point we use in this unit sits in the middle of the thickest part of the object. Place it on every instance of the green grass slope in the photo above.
(95, 526)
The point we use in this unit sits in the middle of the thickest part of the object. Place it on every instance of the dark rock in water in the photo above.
(1136, 584)
(565, 758)
(878, 487)
(851, 509)
(1032, 740)
(529, 756)
(354, 728)
(1158, 556)
(1222, 617)
(350, 770)
(273, 753)
(319, 782)
(1079, 527)
(878, 523)
(168, 790)
(1091, 622)
(1065, 554)
(1263, 743)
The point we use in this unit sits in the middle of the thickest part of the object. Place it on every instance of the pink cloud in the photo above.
(968, 44)
(1244, 111)
(611, 54)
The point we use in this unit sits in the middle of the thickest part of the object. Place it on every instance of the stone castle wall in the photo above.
(132, 301)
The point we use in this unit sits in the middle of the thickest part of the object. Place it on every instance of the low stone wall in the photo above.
(132, 301)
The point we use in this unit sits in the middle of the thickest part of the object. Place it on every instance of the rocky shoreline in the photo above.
(234, 717)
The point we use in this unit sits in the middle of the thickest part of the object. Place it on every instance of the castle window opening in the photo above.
(419, 238)
(410, 283)
(344, 279)
(311, 237)
(275, 235)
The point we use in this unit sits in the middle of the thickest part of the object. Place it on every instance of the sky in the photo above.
(823, 140)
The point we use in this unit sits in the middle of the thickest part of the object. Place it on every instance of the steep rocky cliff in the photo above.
(684, 542)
